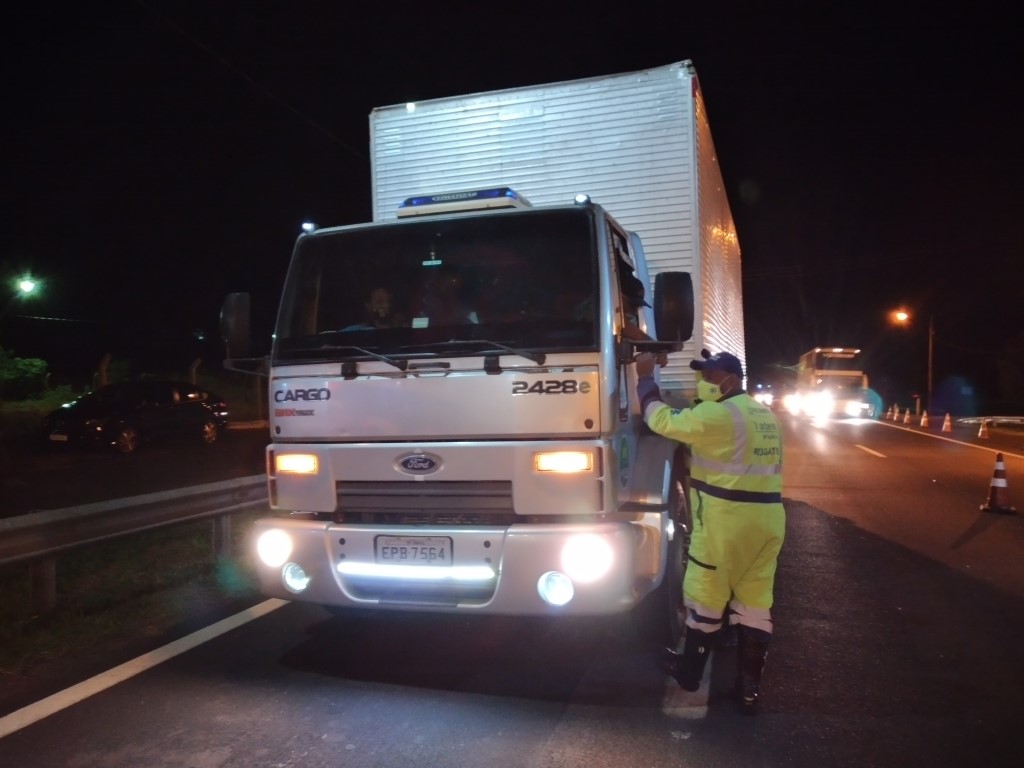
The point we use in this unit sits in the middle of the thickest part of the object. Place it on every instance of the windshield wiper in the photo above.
(536, 357)
(399, 364)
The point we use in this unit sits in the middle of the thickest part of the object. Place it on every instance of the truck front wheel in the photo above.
(660, 615)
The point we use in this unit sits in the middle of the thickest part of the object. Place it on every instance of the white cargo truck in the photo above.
(453, 409)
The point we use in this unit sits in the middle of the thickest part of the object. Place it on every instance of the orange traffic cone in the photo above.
(983, 430)
(906, 416)
(924, 420)
(896, 413)
(998, 492)
(888, 413)
(947, 424)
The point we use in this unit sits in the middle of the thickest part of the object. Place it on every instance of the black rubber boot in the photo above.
(728, 636)
(688, 667)
(751, 652)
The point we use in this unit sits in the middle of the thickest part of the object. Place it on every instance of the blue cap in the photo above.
(721, 361)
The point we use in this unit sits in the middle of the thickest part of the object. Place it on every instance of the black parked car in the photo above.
(125, 414)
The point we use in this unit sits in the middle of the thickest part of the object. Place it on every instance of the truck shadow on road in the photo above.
(544, 659)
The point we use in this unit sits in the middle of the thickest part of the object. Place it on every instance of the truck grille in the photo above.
(426, 503)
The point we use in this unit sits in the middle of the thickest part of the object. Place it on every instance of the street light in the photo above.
(26, 286)
(22, 288)
(903, 317)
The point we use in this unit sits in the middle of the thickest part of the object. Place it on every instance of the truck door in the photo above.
(631, 319)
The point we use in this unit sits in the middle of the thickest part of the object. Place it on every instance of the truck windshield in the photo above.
(844, 360)
(842, 384)
(524, 279)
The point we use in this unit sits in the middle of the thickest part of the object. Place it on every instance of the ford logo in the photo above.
(420, 463)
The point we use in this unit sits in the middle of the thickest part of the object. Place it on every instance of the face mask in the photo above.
(707, 391)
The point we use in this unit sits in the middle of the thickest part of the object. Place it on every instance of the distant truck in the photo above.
(453, 409)
(830, 381)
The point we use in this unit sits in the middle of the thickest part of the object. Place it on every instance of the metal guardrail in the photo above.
(992, 421)
(39, 537)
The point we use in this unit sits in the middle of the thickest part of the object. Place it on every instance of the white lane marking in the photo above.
(951, 440)
(83, 690)
(868, 450)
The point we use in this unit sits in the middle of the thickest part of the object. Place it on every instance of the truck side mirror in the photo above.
(673, 306)
(234, 325)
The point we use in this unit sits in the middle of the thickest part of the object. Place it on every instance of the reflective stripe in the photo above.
(653, 406)
(729, 494)
(735, 468)
(755, 618)
(739, 423)
(703, 617)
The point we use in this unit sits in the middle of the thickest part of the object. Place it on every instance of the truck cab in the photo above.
(453, 415)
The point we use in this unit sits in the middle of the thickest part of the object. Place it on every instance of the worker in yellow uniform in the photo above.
(738, 519)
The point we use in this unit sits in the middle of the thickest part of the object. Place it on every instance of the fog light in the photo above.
(555, 588)
(274, 547)
(294, 577)
(587, 557)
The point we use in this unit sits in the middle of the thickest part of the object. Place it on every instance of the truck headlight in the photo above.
(587, 557)
(819, 405)
(274, 547)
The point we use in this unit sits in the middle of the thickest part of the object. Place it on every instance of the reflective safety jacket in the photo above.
(736, 446)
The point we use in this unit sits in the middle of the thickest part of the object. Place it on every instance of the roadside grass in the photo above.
(122, 591)
(20, 419)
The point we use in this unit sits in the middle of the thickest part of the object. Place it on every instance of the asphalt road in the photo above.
(899, 608)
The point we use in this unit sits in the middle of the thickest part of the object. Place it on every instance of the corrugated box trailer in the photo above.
(638, 143)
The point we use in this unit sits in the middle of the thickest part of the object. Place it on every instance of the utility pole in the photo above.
(931, 357)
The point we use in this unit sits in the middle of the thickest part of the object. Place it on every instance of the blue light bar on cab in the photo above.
(470, 200)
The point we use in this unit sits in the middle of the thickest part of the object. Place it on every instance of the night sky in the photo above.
(158, 155)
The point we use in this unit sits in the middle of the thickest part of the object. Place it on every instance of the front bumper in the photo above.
(493, 570)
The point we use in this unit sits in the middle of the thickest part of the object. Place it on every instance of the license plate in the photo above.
(59, 438)
(413, 550)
